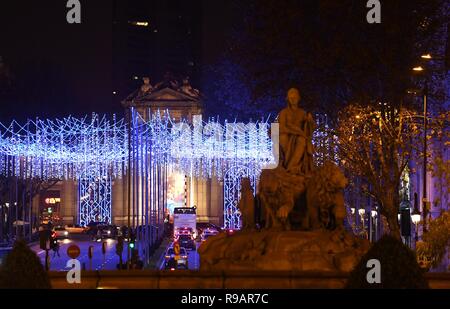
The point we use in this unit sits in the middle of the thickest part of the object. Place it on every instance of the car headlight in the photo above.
(66, 233)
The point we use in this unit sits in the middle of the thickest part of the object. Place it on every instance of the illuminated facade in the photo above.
(124, 172)
(201, 153)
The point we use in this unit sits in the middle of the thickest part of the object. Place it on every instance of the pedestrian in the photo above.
(56, 248)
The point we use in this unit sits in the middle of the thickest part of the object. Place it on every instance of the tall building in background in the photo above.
(152, 38)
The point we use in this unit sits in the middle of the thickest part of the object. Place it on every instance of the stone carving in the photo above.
(296, 128)
(277, 196)
(304, 212)
(269, 250)
(146, 87)
(325, 197)
(188, 89)
(279, 191)
(247, 204)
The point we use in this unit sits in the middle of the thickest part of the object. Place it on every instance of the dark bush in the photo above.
(22, 269)
(399, 268)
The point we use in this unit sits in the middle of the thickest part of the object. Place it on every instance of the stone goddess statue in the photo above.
(296, 129)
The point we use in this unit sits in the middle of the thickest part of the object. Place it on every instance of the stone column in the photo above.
(69, 202)
(117, 211)
(216, 204)
(201, 200)
(125, 200)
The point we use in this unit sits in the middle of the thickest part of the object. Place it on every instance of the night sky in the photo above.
(57, 69)
(51, 69)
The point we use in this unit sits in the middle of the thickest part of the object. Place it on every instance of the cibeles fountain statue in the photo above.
(303, 211)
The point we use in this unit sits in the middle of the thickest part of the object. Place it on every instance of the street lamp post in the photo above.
(415, 217)
(373, 226)
(361, 213)
(425, 147)
(425, 57)
(353, 218)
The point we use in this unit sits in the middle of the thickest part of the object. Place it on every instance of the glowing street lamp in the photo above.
(415, 217)
(373, 213)
(418, 69)
(362, 212)
(426, 56)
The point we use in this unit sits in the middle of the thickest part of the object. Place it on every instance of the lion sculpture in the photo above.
(277, 193)
(325, 197)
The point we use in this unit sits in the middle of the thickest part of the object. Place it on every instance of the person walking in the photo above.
(56, 248)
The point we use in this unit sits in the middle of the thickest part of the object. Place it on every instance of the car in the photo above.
(60, 232)
(91, 228)
(173, 262)
(75, 229)
(207, 233)
(106, 231)
(201, 226)
(187, 241)
(230, 231)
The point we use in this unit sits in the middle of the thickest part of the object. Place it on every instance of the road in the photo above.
(98, 262)
(193, 259)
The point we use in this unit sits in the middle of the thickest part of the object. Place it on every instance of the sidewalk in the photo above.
(156, 259)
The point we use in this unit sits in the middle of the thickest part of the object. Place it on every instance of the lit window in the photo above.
(139, 23)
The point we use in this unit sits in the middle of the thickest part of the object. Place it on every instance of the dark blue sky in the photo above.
(56, 69)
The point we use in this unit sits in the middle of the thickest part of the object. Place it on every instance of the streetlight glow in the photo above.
(418, 69)
(426, 56)
(415, 217)
(139, 23)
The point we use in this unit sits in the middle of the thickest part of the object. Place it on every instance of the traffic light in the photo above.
(132, 241)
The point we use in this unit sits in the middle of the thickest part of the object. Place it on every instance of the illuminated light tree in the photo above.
(95, 151)
(377, 144)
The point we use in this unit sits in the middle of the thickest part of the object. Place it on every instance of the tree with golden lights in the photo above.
(376, 144)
